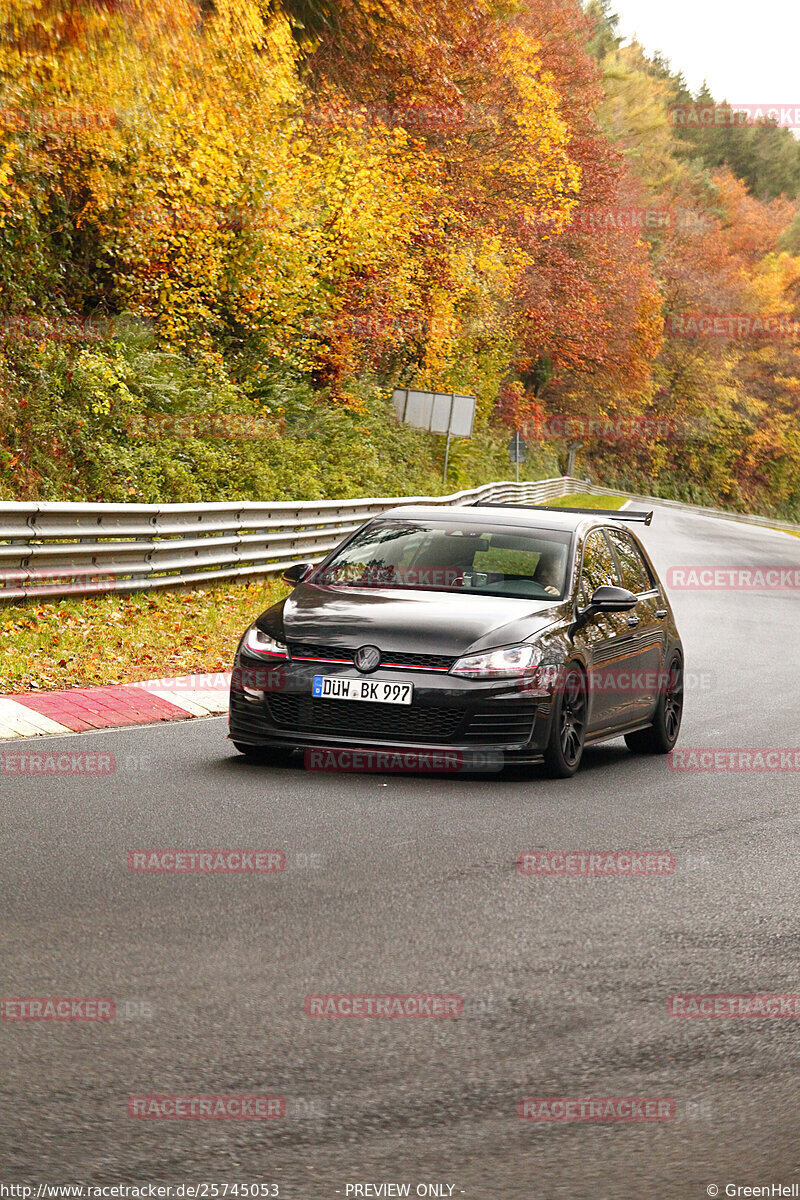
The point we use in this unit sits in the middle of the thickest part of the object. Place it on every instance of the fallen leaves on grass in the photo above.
(67, 643)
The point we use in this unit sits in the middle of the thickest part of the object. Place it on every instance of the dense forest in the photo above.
(228, 228)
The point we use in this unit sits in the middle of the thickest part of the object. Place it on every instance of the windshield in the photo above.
(449, 558)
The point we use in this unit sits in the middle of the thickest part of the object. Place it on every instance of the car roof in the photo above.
(501, 516)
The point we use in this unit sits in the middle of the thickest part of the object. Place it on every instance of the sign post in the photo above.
(446, 457)
(573, 453)
(517, 451)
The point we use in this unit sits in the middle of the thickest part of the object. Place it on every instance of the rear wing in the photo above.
(615, 513)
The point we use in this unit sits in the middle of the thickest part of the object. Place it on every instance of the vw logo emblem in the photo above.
(367, 658)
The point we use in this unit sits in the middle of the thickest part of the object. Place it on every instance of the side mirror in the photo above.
(297, 572)
(606, 599)
(611, 599)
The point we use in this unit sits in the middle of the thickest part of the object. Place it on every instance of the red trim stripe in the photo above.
(349, 662)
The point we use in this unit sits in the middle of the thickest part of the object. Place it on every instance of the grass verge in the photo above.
(585, 500)
(92, 640)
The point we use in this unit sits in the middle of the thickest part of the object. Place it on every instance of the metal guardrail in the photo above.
(52, 549)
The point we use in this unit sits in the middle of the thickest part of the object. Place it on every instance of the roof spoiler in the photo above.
(616, 513)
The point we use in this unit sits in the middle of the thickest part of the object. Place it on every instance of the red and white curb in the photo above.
(78, 709)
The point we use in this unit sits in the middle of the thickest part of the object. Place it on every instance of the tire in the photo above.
(661, 736)
(264, 754)
(567, 726)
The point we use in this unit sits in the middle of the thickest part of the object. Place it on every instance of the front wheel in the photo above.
(567, 727)
(661, 736)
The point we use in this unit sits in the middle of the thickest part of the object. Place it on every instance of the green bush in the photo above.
(69, 413)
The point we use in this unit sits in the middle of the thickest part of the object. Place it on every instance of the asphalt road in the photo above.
(397, 884)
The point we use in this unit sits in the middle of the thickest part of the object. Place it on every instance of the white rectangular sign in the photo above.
(438, 412)
(463, 416)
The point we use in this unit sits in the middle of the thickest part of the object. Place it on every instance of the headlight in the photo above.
(259, 642)
(498, 664)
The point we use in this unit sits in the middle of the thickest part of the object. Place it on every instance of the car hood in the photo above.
(422, 622)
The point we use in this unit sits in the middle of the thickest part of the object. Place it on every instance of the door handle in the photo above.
(662, 612)
(633, 622)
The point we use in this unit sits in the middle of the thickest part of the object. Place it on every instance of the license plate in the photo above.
(379, 691)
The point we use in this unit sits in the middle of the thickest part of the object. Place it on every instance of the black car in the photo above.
(526, 631)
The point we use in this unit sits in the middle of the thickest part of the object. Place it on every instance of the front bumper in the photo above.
(274, 707)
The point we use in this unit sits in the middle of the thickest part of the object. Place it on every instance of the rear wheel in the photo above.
(568, 726)
(661, 736)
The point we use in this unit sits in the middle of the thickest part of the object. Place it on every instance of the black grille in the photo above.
(246, 718)
(435, 662)
(504, 725)
(511, 724)
(387, 722)
(438, 662)
(313, 650)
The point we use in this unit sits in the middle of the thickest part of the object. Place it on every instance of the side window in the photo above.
(635, 576)
(598, 566)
